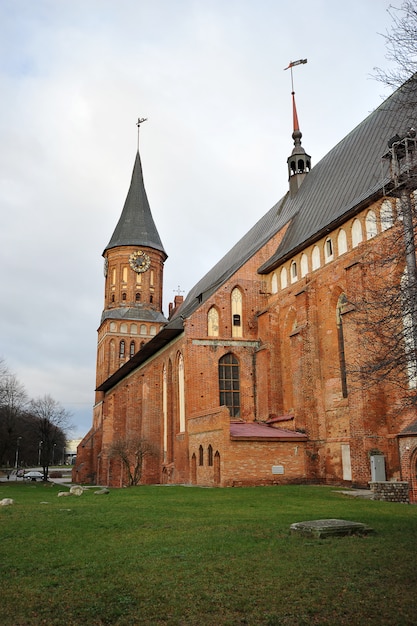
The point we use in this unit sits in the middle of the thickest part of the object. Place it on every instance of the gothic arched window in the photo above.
(132, 349)
(213, 322)
(229, 383)
(122, 349)
(236, 298)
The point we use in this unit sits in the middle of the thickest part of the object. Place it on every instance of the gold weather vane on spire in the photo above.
(294, 108)
(138, 123)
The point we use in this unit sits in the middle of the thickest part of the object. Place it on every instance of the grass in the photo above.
(189, 556)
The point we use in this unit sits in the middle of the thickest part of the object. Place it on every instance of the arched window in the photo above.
(315, 258)
(356, 233)
(165, 410)
(274, 283)
(124, 275)
(143, 330)
(284, 278)
(213, 322)
(341, 242)
(328, 250)
(370, 225)
(123, 296)
(151, 298)
(236, 298)
(210, 455)
(113, 327)
(181, 394)
(229, 383)
(304, 265)
(113, 276)
(132, 349)
(123, 328)
(293, 272)
(112, 297)
(341, 343)
(201, 455)
(137, 296)
(385, 215)
(122, 349)
(152, 330)
(133, 329)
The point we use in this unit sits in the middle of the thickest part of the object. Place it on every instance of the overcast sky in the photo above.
(209, 76)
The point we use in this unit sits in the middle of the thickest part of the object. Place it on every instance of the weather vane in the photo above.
(290, 66)
(138, 123)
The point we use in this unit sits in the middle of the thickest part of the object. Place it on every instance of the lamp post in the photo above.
(17, 454)
(39, 452)
(53, 454)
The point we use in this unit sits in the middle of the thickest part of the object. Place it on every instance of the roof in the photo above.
(411, 429)
(133, 313)
(347, 176)
(136, 226)
(255, 430)
(350, 175)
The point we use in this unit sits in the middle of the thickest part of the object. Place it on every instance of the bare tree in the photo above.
(131, 451)
(52, 422)
(386, 310)
(13, 399)
(401, 45)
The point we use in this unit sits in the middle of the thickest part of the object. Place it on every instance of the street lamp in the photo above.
(39, 452)
(17, 454)
(53, 454)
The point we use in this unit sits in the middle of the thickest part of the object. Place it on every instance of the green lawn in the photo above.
(185, 555)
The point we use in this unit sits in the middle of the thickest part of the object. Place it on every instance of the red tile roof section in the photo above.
(254, 430)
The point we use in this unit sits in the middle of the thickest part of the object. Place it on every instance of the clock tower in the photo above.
(133, 269)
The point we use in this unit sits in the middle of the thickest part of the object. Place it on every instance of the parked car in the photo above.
(33, 476)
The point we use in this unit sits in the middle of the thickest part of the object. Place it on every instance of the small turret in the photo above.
(299, 163)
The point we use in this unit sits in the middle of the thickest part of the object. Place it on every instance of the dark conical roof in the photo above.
(136, 226)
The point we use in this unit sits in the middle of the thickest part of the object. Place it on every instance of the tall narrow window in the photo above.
(165, 410)
(229, 384)
(201, 455)
(137, 296)
(213, 322)
(181, 394)
(210, 455)
(124, 275)
(356, 233)
(236, 298)
(113, 276)
(122, 349)
(315, 258)
(328, 250)
(274, 283)
(341, 242)
(132, 349)
(341, 343)
(152, 278)
(284, 278)
(385, 215)
(304, 265)
(294, 272)
(370, 225)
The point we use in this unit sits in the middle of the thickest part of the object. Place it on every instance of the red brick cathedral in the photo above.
(257, 376)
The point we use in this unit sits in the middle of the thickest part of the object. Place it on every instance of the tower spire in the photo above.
(299, 162)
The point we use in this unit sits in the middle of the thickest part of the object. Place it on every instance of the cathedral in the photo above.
(249, 379)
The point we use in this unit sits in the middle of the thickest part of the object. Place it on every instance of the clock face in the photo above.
(139, 261)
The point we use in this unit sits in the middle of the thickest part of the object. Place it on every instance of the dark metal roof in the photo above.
(133, 313)
(350, 175)
(160, 340)
(136, 226)
(411, 429)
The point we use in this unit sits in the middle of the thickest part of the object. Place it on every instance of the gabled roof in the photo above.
(136, 226)
(411, 429)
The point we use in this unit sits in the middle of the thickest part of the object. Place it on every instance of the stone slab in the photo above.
(321, 528)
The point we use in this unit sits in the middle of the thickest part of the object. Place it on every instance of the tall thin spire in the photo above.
(136, 226)
(299, 162)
